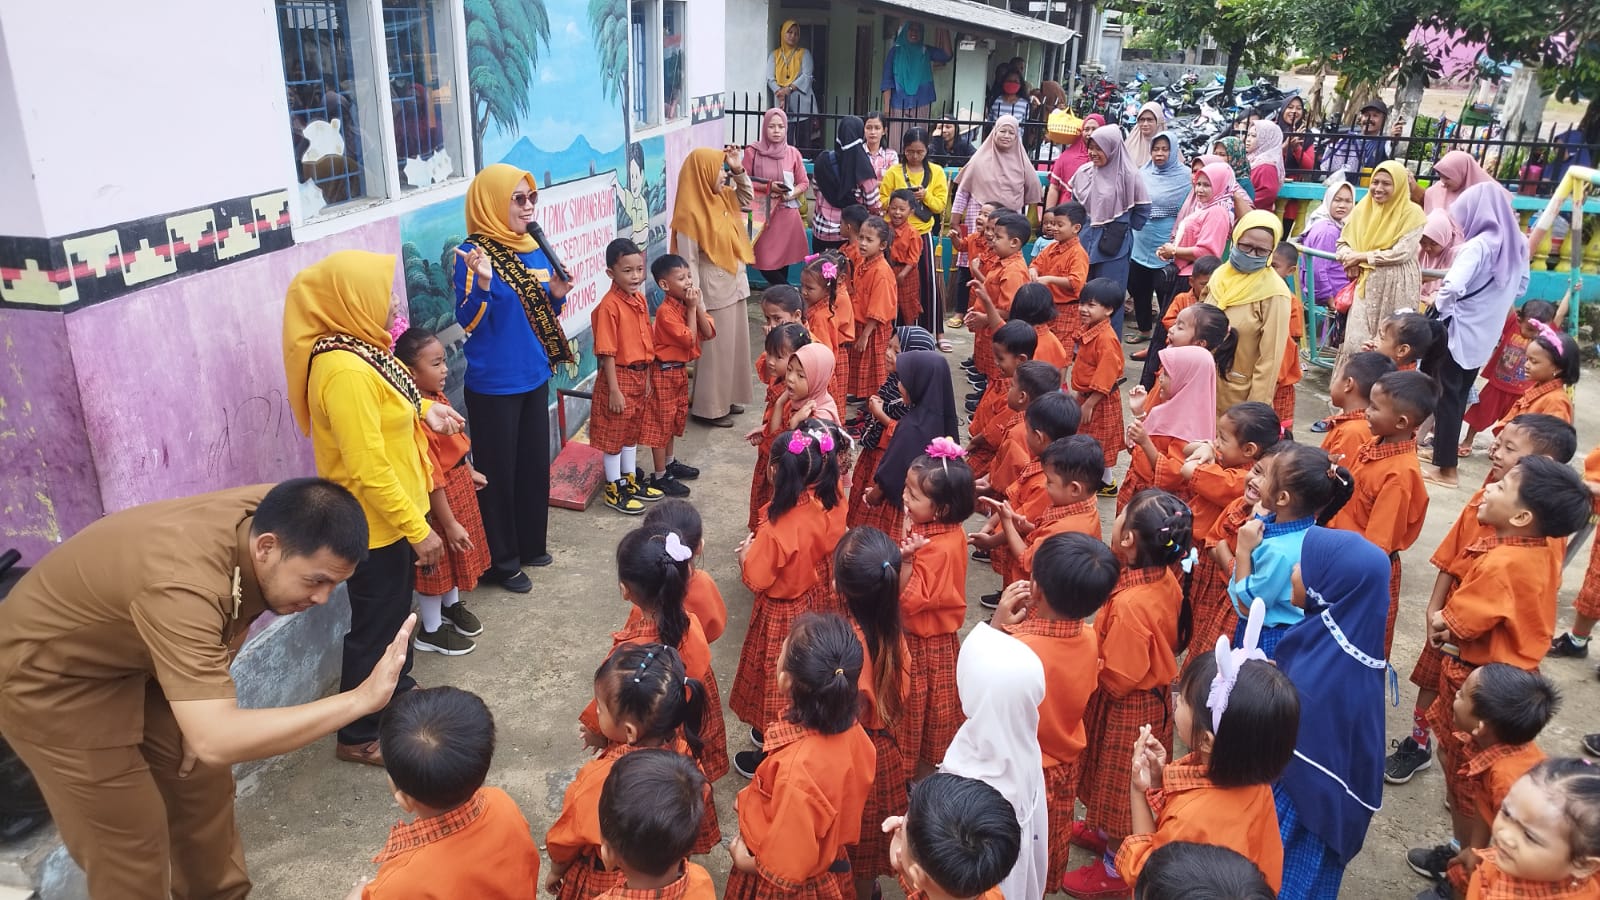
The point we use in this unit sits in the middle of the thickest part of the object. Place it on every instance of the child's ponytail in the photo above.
(1163, 531)
(649, 689)
(1211, 330)
(833, 443)
(866, 570)
(823, 661)
(1316, 485)
(828, 267)
(793, 457)
(654, 564)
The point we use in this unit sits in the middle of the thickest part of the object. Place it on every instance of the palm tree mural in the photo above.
(503, 45)
(609, 21)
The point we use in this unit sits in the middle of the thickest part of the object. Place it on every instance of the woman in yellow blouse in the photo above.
(928, 182)
(365, 419)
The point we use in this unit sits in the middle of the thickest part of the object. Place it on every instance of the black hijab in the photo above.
(926, 378)
(840, 170)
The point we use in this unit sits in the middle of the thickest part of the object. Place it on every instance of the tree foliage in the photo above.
(504, 38)
(1252, 32)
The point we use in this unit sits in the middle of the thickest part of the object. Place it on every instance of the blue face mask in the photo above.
(1245, 262)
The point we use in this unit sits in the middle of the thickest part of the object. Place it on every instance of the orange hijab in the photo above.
(709, 213)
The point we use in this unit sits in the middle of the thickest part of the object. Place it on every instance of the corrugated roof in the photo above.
(978, 15)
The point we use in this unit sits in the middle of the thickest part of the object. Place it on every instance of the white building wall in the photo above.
(747, 39)
(158, 107)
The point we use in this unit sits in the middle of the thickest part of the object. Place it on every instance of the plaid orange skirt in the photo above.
(983, 350)
(755, 697)
(587, 878)
(980, 460)
(868, 366)
(932, 714)
(713, 731)
(710, 833)
(666, 414)
(1453, 752)
(1105, 426)
(458, 568)
(760, 484)
(1132, 483)
(869, 858)
(1425, 674)
(1587, 603)
(1213, 613)
(860, 480)
(1066, 326)
(823, 598)
(909, 290)
(886, 517)
(1394, 603)
(1106, 766)
(839, 384)
(609, 432)
(1061, 793)
(1283, 405)
(830, 885)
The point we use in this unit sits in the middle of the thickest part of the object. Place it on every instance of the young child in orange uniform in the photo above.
(1505, 379)
(1139, 632)
(625, 347)
(1074, 577)
(1350, 389)
(701, 597)
(648, 809)
(1009, 271)
(1217, 475)
(654, 571)
(957, 840)
(992, 416)
(851, 218)
(980, 261)
(1586, 606)
(880, 416)
(1097, 368)
(1032, 305)
(829, 314)
(1408, 338)
(1063, 267)
(782, 342)
(1158, 442)
(1503, 609)
(1390, 500)
(644, 701)
(1197, 326)
(1553, 364)
(929, 412)
(818, 759)
(1545, 846)
(1071, 477)
(1501, 709)
(1530, 433)
(681, 324)
(1221, 793)
(875, 302)
(780, 562)
(466, 840)
(1051, 417)
(866, 575)
(939, 496)
(905, 252)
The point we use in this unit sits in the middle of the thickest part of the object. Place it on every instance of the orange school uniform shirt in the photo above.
(1001, 280)
(1390, 500)
(1026, 492)
(1068, 651)
(1189, 807)
(875, 296)
(1064, 259)
(805, 803)
(844, 314)
(675, 338)
(783, 555)
(1000, 416)
(1215, 487)
(1346, 433)
(1011, 458)
(696, 884)
(906, 249)
(1049, 348)
(820, 325)
(1289, 371)
(1549, 398)
(481, 848)
(1138, 632)
(1490, 883)
(1099, 361)
(1488, 776)
(934, 601)
(1082, 517)
(1504, 608)
(621, 327)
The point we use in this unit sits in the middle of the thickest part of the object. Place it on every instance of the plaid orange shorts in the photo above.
(609, 432)
(1588, 602)
(666, 413)
(1105, 426)
(1061, 790)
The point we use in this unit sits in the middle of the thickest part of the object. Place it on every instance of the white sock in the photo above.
(613, 462)
(1108, 476)
(429, 607)
(451, 597)
(630, 460)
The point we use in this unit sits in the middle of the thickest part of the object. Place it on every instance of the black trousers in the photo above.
(1142, 288)
(380, 600)
(1158, 338)
(1455, 385)
(818, 244)
(775, 277)
(511, 447)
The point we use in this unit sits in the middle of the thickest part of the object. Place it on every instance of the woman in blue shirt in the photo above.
(509, 301)
(907, 84)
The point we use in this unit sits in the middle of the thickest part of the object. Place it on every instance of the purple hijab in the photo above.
(1483, 211)
(1110, 190)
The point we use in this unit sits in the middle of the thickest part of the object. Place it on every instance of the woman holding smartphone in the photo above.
(778, 178)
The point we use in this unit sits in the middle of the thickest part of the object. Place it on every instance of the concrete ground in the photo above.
(312, 824)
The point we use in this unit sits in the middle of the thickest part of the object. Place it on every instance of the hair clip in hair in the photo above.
(1551, 335)
(945, 448)
(1231, 659)
(813, 257)
(838, 671)
(798, 442)
(830, 271)
(675, 548)
(823, 438)
(1333, 472)
(886, 564)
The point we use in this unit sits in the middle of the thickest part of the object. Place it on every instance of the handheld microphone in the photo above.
(537, 234)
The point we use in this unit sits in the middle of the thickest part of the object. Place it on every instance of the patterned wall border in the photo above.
(97, 265)
(705, 109)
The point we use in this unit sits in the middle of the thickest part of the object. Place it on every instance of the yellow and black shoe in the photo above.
(1110, 490)
(619, 497)
(642, 489)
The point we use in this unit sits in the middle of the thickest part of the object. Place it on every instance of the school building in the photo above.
(166, 169)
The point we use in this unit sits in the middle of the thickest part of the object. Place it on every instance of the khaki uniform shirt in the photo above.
(165, 590)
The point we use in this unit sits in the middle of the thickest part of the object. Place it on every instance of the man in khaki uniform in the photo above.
(114, 680)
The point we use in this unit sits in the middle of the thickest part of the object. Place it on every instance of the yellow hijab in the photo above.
(1374, 227)
(346, 293)
(489, 202)
(1231, 287)
(709, 213)
(786, 63)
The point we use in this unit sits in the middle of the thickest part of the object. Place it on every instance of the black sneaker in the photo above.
(682, 471)
(757, 738)
(444, 640)
(518, 583)
(1564, 646)
(980, 555)
(1431, 862)
(746, 761)
(1407, 760)
(1591, 744)
(975, 395)
(668, 485)
(990, 601)
(462, 620)
(1322, 426)
(1109, 490)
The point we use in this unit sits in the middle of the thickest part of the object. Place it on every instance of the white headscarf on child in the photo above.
(1001, 683)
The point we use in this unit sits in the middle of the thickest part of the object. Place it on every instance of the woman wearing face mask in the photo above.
(1378, 250)
(778, 176)
(1322, 233)
(1257, 303)
(1011, 101)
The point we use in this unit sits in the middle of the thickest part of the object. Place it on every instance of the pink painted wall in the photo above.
(48, 487)
(678, 144)
(182, 385)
